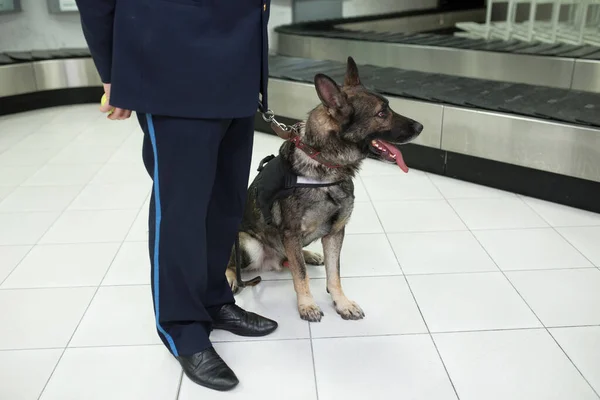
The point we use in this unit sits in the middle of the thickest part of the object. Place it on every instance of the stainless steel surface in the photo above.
(313, 10)
(535, 70)
(10, 6)
(16, 79)
(587, 76)
(296, 100)
(62, 6)
(47, 75)
(61, 74)
(553, 147)
(563, 149)
(417, 23)
(292, 99)
(428, 114)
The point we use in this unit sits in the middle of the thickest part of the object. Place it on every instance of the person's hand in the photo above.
(118, 113)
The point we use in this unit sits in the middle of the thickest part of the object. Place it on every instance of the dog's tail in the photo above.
(238, 266)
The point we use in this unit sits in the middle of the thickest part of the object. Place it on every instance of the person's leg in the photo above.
(181, 156)
(225, 211)
(226, 207)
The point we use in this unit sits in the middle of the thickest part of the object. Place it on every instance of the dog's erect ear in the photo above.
(352, 78)
(329, 92)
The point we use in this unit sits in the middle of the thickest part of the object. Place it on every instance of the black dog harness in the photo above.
(277, 180)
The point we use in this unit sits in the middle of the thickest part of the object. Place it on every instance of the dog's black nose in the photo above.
(417, 127)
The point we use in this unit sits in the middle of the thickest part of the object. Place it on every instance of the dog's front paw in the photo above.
(312, 258)
(349, 310)
(310, 312)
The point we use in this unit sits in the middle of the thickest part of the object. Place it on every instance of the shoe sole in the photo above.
(209, 386)
(244, 334)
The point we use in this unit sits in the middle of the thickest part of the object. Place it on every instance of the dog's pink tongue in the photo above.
(399, 159)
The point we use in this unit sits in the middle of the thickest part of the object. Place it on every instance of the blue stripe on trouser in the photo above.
(157, 237)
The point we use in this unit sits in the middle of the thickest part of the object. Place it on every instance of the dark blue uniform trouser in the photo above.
(200, 170)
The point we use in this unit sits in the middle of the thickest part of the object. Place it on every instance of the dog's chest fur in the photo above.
(317, 212)
(307, 214)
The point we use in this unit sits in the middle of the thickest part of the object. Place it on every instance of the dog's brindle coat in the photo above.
(343, 128)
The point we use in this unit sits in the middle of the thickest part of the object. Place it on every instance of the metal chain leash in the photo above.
(269, 117)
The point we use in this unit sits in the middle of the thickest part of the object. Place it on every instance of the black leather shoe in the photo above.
(243, 323)
(208, 369)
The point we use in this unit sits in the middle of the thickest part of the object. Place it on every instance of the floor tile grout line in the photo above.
(282, 279)
(180, 385)
(68, 210)
(547, 329)
(72, 243)
(40, 124)
(17, 264)
(35, 130)
(88, 306)
(529, 306)
(312, 353)
(560, 234)
(499, 269)
(434, 185)
(288, 278)
(573, 363)
(60, 214)
(539, 328)
(415, 299)
(10, 192)
(417, 232)
(311, 339)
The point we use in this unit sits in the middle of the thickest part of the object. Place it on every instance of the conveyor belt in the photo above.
(549, 130)
(437, 40)
(559, 105)
(555, 65)
(24, 72)
(17, 57)
(531, 140)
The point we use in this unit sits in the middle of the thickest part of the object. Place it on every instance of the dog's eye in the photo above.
(382, 114)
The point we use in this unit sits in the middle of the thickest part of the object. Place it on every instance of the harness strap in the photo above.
(301, 181)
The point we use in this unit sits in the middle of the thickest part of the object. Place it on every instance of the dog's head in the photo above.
(352, 116)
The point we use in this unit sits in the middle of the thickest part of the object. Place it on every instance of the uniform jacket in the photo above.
(181, 58)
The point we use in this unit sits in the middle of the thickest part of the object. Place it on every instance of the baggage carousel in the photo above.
(425, 41)
(520, 135)
(538, 141)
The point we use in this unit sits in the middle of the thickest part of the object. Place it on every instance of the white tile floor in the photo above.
(470, 293)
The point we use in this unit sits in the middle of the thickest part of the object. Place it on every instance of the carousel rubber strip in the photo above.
(552, 104)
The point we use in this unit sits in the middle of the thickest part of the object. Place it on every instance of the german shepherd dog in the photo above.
(351, 123)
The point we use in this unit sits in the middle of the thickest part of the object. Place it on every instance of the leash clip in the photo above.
(268, 116)
(282, 130)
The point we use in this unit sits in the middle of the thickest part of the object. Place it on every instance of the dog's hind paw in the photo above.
(310, 312)
(232, 280)
(349, 310)
(312, 258)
